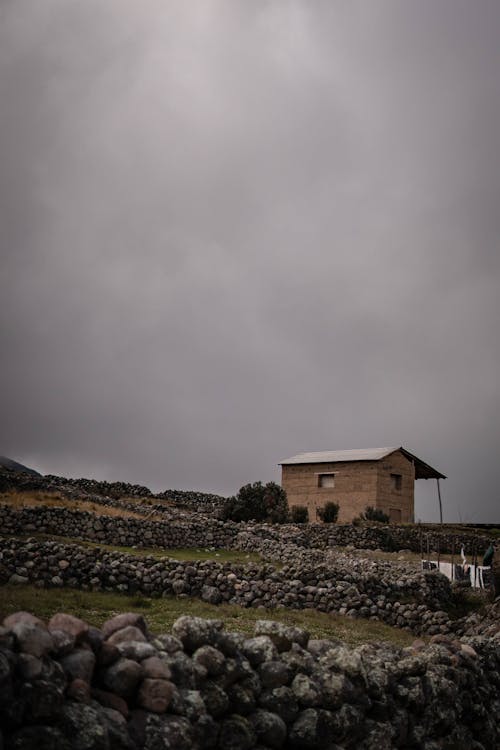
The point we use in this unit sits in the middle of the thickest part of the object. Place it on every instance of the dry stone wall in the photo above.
(179, 530)
(67, 686)
(396, 594)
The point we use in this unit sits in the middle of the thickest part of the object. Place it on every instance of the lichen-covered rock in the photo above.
(236, 733)
(84, 727)
(211, 658)
(194, 632)
(282, 635)
(155, 695)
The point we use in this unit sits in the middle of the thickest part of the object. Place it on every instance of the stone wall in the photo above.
(206, 531)
(399, 595)
(67, 686)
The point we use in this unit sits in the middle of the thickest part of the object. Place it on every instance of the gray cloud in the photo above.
(235, 231)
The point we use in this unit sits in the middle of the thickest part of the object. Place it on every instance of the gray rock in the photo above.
(274, 673)
(215, 699)
(211, 658)
(236, 733)
(39, 738)
(259, 649)
(211, 594)
(269, 728)
(79, 664)
(194, 632)
(123, 677)
(84, 727)
(282, 635)
(281, 701)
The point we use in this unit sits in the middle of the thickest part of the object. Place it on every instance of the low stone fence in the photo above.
(177, 530)
(399, 595)
(122, 531)
(66, 685)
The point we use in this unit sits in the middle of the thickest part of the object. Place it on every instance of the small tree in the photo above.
(329, 512)
(257, 502)
(375, 514)
(299, 514)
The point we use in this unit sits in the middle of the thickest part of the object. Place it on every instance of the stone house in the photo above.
(381, 477)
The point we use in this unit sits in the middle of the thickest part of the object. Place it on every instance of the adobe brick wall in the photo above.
(357, 484)
(387, 497)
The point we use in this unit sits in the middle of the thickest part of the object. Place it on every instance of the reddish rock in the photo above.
(17, 617)
(468, 651)
(156, 668)
(110, 700)
(32, 638)
(79, 690)
(69, 624)
(155, 695)
(122, 621)
(124, 635)
(418, 645)
(107, 654)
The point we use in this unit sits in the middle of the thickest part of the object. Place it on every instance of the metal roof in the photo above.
(422, 470)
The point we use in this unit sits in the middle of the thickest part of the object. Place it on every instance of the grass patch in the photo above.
(37, 499)
(188, 554)
(96, 607)
(464, 602)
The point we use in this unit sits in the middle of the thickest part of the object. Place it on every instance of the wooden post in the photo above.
(440, 503)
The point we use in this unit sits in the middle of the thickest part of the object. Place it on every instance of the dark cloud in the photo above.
(232, 231)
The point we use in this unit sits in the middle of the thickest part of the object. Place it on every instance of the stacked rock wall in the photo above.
(206, 531)
(65, 686)
(396, 594)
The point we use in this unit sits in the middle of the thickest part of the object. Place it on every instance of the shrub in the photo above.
(299, 514)
(257, 502)
(375, 514)
(329, 512)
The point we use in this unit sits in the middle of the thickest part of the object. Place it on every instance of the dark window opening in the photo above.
(396, 481)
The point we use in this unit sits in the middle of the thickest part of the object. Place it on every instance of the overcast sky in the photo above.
(236, 231)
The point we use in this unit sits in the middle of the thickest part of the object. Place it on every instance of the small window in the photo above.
(396, 481)
(326, 480)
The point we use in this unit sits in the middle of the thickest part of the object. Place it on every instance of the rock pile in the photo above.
(65, 685)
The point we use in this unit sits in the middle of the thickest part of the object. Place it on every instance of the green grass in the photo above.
(96, 607)
(465, 602)
(187, 554)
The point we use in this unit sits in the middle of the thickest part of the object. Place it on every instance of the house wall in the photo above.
(391, 500)
(357, 484)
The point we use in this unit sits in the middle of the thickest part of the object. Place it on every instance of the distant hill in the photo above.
(10, 465)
